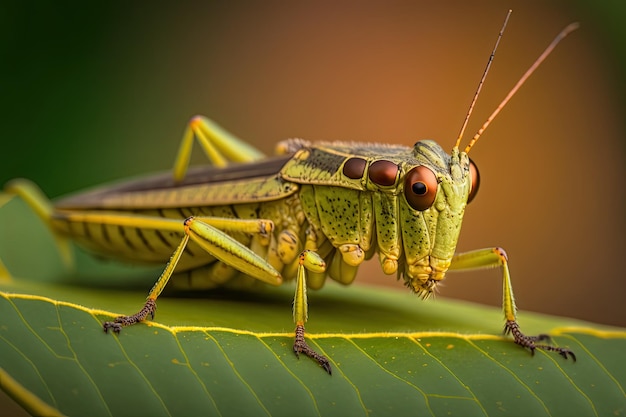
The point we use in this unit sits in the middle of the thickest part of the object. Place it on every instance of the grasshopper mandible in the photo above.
(313, 211)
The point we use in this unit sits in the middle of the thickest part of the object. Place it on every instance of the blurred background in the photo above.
(95, 93)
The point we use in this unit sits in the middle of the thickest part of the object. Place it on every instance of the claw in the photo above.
(148, 309)
(113, 325)
(300, 346)
(326, 366)
(511, 327)
(566, 352)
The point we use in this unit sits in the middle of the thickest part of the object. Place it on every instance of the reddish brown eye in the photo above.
(475, 178)
(420, 188)
(354, 168)
(383, 173)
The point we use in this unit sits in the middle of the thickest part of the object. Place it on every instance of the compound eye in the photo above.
(475, 178)
(420, 188)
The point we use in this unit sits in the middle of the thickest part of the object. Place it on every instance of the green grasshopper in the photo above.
(312, 211)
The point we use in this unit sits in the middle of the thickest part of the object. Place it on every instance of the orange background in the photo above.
(91, 95)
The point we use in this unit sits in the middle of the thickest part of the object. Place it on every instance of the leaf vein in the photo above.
(571, 381)
(78, 362)
(142, 375)
(35, 369)
(242, 379)
(384, 369)
(597, 361)
(195, 374)
(515, 377)
(290, 372)
(440, 362)
(348, 380)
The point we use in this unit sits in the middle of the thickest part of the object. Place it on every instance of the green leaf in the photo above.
(224, 356)
(229, 353)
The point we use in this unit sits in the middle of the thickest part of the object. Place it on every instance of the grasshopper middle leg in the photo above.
(312, 262)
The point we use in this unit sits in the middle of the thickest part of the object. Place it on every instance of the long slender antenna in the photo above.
(482, 80)
(566, 31)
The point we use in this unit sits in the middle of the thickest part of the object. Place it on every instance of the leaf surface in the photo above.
(229, 353)
(58, 351)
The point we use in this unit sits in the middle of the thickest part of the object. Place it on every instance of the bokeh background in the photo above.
(92, 93)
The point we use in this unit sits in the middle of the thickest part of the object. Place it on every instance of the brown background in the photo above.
(93, 95)
(90, 95)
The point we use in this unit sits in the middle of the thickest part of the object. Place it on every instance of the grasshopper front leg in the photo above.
(493, 257)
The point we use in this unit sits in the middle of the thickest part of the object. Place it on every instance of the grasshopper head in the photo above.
(407, 204)
(432, 202)
(436, 190)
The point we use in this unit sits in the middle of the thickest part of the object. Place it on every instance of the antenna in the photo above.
(566, 31)
(482, 80)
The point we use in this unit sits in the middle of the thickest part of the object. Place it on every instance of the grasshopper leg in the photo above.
(311, 261)
(220, 146)
(217, 243)
(300, 346)
(35, 198)
(149, 308)
(511, 327)
(491, 257)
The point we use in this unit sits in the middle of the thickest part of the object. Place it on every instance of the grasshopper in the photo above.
(312, 211)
